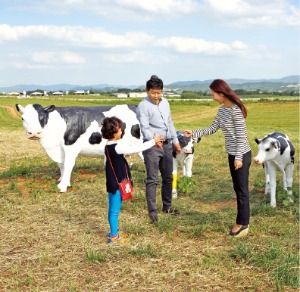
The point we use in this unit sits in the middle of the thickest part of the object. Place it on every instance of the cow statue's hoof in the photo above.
(62, 188)
(174, 194)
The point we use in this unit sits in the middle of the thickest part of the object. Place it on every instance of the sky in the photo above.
(124, 42)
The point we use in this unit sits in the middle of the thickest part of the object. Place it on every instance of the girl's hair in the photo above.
(110, 127)
(220, 86)
(154, 83)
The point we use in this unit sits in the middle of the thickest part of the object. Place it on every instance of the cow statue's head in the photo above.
(268, 149)
(34, 118)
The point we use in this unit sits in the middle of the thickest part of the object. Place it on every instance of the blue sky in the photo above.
(124, 42)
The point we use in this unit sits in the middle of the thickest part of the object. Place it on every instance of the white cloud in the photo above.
(45, 59)
(97, 38)
(7, 33)
(125, 9)
(138, 57)
(74, 35)
(238, 45)
(193, 45)
(161, 7)
(254, 12)
(56, 58)
(231, 12)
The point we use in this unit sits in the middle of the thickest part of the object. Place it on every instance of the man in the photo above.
(155, 118)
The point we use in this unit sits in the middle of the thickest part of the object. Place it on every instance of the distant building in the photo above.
(121, 95)
(58, 93)
(14, 93)
(137, 94)
(36, 93)
(171, 94)
(79, 92)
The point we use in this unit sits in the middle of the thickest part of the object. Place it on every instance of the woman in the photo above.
(231, 119)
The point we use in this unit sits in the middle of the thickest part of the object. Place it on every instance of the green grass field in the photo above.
(53, 241)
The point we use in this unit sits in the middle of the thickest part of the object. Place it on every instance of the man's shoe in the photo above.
(172, 211)
(153, 219)
(242, 232)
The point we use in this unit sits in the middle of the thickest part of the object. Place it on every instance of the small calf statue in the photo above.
(276, 152)
(184, 159)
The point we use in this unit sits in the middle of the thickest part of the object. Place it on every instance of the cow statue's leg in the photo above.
(61, 168)
(289, 181)
(267, 178)
(70, 158)
(284, 180)
(188, 164)
(175, 176)
(272, 174)
(141, 155)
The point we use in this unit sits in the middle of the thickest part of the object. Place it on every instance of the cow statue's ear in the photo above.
(275, 144)
(257, 140)
(49, 108)
(19, 108)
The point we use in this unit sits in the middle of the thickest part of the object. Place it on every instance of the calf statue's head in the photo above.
(186, 143)
(268, 149)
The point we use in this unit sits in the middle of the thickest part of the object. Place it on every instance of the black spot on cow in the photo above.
(292, 151)
(274, 135)
(95, 138)
(78, 119)
(136, 131)
(283, 144)
(123, 129)
(43, 113)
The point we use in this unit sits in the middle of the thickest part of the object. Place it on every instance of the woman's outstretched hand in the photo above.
(188, 133)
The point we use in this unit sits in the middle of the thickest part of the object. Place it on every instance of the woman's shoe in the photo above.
(242, 232)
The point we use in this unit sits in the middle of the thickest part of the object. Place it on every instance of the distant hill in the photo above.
(235, 83)
(195, 85)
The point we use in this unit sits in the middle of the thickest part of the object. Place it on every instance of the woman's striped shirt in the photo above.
(233, 125)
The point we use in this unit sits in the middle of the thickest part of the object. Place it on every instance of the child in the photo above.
(231, 119)
(112, 131)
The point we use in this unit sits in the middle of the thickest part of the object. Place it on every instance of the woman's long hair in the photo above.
(220, 86)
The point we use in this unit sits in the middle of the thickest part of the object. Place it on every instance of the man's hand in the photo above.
(177, 148)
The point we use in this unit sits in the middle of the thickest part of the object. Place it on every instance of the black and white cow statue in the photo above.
(276, 152)
(184, 159)
(66, 132)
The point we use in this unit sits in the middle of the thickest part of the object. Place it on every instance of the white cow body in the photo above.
(276, 152)
(66, 132)
(184, 159)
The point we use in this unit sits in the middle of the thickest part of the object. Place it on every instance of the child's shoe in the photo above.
(120, 233)
(118, 240)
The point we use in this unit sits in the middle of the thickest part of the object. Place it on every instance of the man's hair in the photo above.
(154, 83)
(110, 127)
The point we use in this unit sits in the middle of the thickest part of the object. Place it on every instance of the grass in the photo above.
(57, 242)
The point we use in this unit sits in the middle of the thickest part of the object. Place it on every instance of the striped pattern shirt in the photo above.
(233, 125)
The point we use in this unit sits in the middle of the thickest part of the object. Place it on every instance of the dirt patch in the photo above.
(12, 111)
(216, 206)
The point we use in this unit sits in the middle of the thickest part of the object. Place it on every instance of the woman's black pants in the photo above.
(240, 179)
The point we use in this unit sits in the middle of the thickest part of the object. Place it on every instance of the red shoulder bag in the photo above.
(125, 185)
